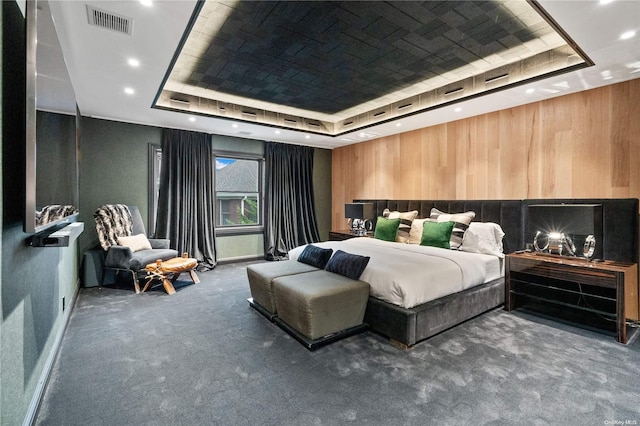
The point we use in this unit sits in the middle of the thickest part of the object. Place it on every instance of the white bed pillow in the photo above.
(462, 221)
(415, 233)
(483, 237)
(135, 242)
(406, 219)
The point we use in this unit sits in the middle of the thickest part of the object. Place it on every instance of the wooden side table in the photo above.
(608, 289)
(168, 271)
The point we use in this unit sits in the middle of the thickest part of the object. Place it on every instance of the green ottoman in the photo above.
(261, 276)
(320, 306)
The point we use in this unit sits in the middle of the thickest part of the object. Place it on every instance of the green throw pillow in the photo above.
(386, 229)
(436, 234)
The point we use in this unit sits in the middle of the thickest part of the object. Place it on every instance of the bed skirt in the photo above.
(410, 326)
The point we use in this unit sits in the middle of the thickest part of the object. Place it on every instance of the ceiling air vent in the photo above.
(179, 103)
(498, 77)
(453, 91)
(110, 21)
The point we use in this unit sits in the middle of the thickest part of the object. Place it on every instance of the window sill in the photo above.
(239, 230)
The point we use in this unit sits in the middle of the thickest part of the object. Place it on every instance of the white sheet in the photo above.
(408, 275)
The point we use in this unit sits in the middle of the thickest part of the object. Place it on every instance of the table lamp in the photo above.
(357, 215)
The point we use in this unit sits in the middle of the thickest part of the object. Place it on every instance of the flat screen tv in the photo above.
(577, 221)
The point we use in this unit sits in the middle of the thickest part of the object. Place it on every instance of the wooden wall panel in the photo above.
(582, 145)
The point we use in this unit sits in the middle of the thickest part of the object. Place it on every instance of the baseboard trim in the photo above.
(34, 406)
(236, 259)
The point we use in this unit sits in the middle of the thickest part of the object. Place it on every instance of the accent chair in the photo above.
(124, 240)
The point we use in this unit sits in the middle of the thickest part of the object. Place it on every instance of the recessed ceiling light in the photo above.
(606, 75)
(277, 132)
(307, 137)
(635, 66)
(129, 91)
(234, 125)
(530, 90)
(146, 2)
(133, 62)
(458, 109)
(192, 119)
(627, 35)
(605, 1)
(398, 124)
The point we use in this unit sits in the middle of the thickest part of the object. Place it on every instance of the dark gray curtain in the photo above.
(290, 212)
(186, 198)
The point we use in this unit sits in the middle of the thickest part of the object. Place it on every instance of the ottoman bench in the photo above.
(261, 276)
(320, 307)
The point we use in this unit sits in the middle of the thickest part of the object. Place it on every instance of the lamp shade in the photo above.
(582, 223)
(574, 219)
(358, 210)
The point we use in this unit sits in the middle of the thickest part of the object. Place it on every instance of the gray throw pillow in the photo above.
(315, 256)
(347, 264)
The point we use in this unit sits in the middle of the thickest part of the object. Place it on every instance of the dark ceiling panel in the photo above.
(331, 56)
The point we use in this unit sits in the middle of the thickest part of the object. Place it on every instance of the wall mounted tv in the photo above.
(577, 221)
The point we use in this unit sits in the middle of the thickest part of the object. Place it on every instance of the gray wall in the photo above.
(114, 169)
(33, 281)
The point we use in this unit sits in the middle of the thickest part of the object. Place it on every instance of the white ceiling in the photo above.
(97, 67)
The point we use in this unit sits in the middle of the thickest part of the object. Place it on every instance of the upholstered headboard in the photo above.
(620, 219)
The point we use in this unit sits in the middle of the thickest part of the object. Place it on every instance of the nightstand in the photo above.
(598, 294)
(345, 234)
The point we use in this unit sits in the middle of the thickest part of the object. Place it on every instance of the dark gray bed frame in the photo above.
(406, 327)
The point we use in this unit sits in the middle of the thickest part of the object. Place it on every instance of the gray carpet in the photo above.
(203, 357)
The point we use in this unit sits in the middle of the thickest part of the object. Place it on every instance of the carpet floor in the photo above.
(203, 357)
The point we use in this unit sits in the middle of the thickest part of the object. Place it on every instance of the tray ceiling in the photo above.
(333, 67)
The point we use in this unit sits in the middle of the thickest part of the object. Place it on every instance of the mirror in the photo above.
(52, 127)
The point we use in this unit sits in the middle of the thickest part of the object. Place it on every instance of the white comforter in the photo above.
(408, 275)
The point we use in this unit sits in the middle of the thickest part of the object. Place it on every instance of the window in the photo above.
(238, 183)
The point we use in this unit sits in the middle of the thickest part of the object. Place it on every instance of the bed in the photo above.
(408, 275)
(407, 320)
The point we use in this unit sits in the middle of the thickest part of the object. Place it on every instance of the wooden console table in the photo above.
(607, 289)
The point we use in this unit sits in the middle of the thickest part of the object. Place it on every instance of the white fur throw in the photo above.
(112, 221)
